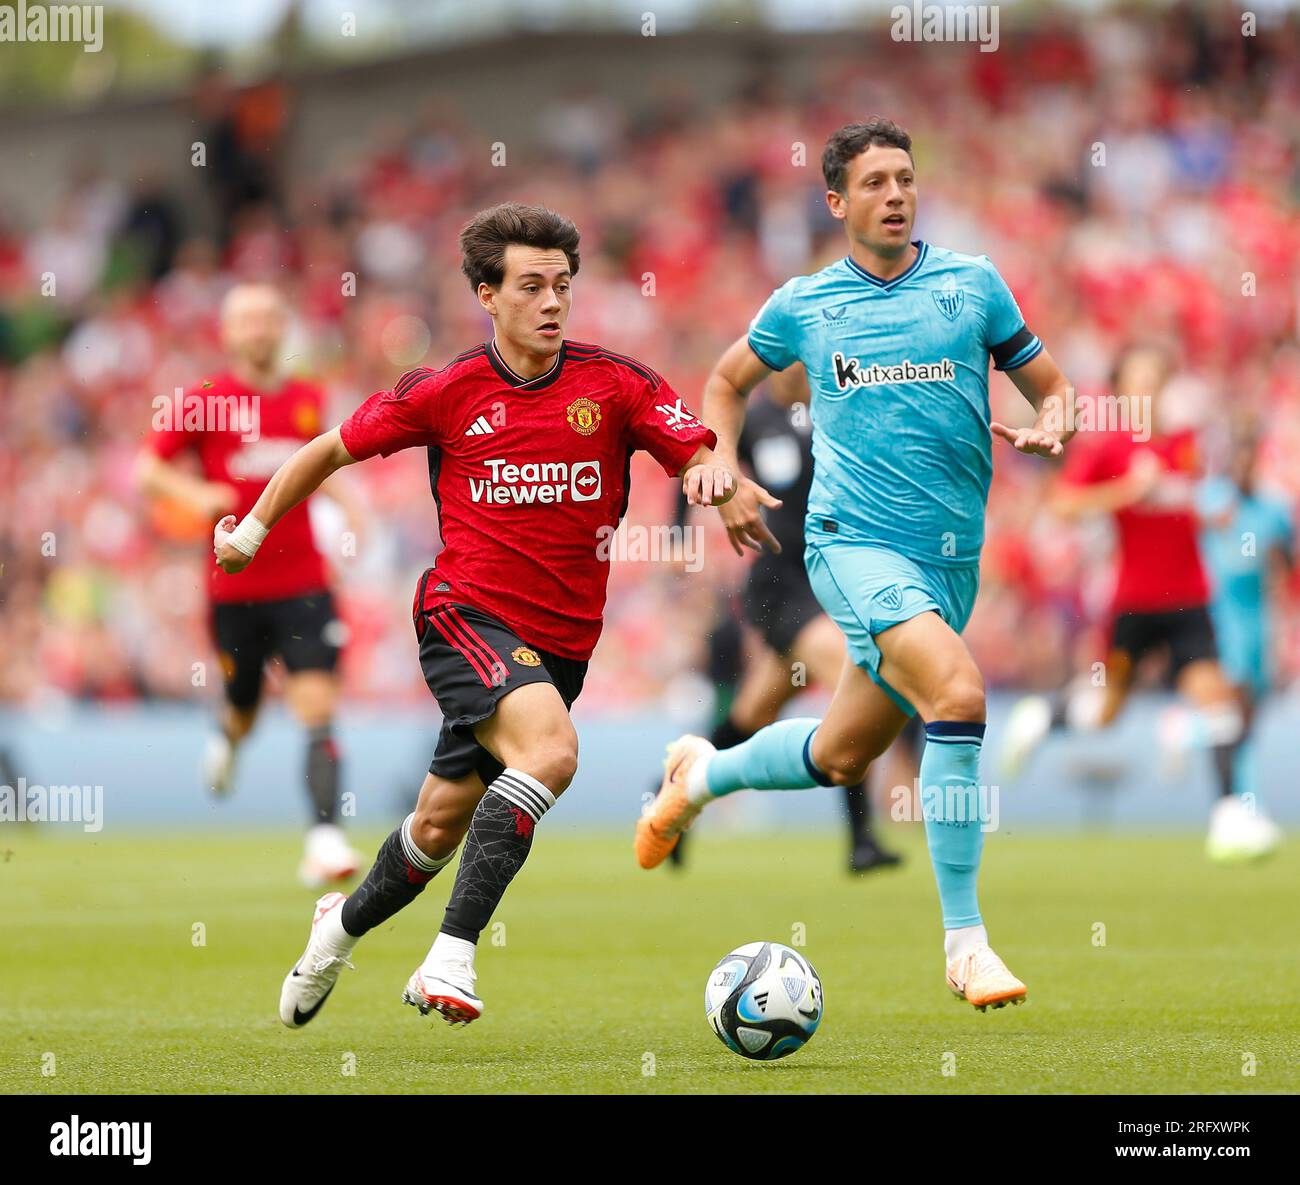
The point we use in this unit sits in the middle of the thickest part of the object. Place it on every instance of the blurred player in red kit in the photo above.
(529, 439)
(1148, 482)
(241, 425)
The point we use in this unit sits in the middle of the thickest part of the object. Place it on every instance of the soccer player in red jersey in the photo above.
(529, 438)
(241, 426)
(1161, 598)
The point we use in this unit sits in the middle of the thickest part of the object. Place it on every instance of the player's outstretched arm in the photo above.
(298, 478)
(158, 478)
(737, 373)
(1047, 389)
(1071, 501)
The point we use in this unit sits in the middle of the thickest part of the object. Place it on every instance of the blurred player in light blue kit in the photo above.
(1246, 541)
(896, 340)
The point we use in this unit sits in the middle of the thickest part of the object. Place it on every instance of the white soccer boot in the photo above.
(327, 857)
(1027, 725)
(444, 982)
(309, 983)
(217, 765)
(1239, 833)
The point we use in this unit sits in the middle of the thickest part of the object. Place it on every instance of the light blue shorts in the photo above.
(866, 588)
(1244, 649)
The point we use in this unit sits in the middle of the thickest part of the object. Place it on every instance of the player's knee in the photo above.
(849, 772)
(843, 764)
(313, 702)
(1109, 710)
(240, 721)
(961, 698)
(554, 761)
(748, 719)
(320, 718)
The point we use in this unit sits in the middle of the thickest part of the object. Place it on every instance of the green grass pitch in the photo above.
(595, 983)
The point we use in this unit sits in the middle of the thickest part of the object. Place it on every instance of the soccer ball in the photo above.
(764, 1001)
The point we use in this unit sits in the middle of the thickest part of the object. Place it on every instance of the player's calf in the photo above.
(397, 877)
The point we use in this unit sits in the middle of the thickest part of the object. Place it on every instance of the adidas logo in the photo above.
(480, 427)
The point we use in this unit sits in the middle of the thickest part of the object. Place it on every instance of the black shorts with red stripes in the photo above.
(471, 659)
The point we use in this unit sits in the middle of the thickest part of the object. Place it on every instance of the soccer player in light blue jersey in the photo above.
(1246, 542)
(896, 340)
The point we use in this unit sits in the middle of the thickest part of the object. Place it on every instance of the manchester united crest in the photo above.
(583, 416)
(525, 657)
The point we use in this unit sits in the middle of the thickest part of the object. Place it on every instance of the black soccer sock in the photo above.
(1225, 767)
(728, 734)
(859, 804)
(499, 839)
(396, 878)
(323, 774)
(1224, 731)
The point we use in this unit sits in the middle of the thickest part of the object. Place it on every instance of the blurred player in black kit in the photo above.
(798, 644)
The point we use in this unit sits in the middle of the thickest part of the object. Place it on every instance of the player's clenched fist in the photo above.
(709, 484)
(229, 559)
(743, 518)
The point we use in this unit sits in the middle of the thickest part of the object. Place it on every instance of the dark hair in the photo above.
(1147, 345)
(485, 237)
(855, 138)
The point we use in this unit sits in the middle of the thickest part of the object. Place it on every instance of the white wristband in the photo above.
(248, 536)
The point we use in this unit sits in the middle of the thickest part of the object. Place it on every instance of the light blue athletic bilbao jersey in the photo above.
(1238, 566)
(898, 371)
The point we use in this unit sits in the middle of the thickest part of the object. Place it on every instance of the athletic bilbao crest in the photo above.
(950, 299)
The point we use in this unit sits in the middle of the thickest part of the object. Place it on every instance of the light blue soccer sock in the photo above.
(778, 757)
(950, 805)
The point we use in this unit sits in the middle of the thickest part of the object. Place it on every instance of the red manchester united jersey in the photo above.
(241, 437)
(530, 477)
(1159, 556)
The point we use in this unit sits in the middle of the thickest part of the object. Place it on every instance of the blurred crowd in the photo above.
(1130, 175)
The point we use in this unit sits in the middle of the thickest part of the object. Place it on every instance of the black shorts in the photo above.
(303, 631)
(471, 659)
(778, 601)
(1187, 634)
